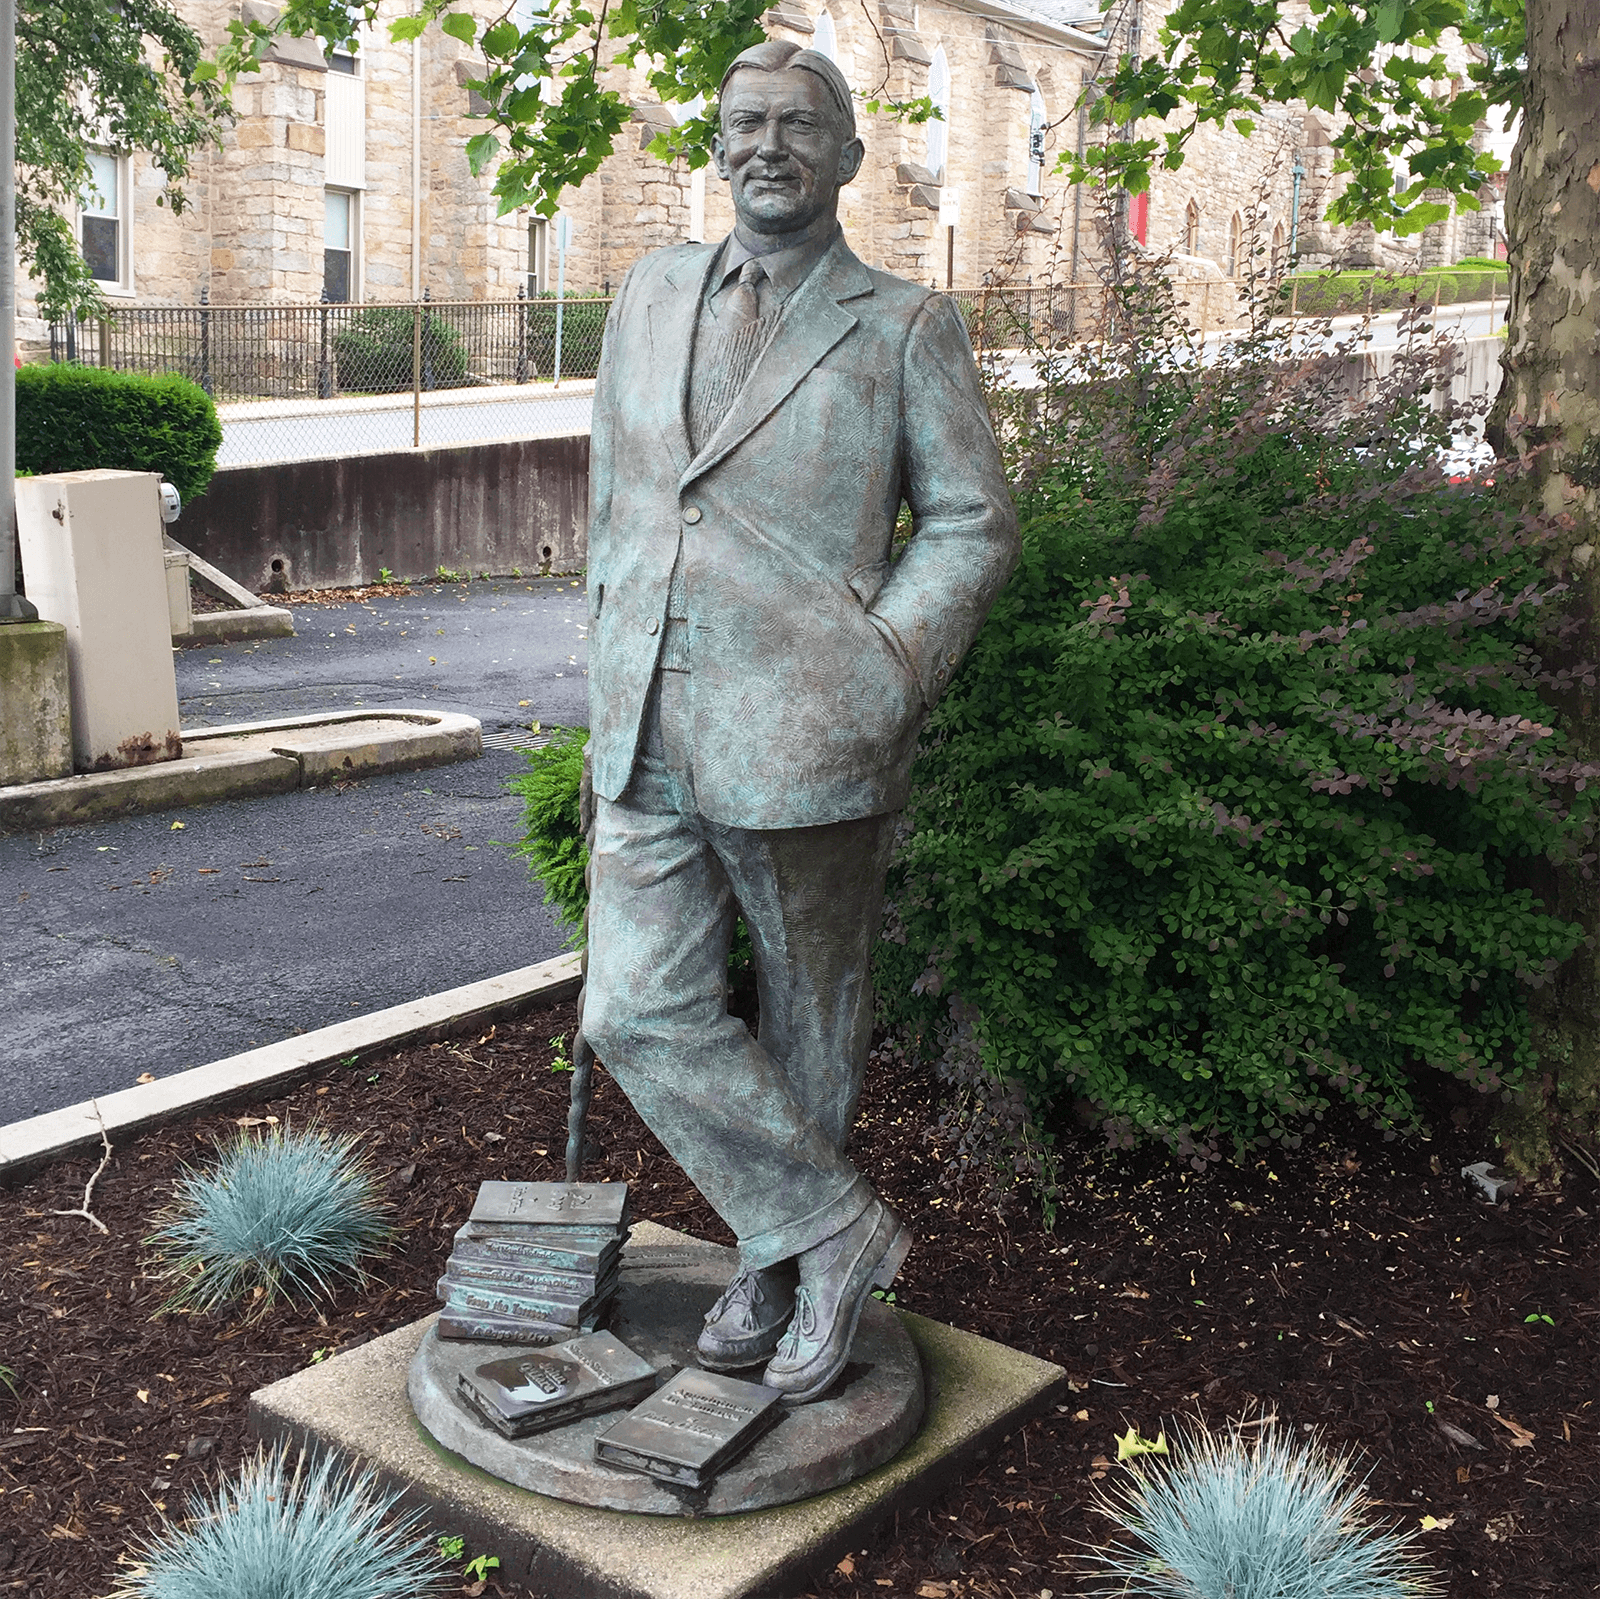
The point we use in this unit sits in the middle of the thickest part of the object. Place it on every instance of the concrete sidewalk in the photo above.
(248, 760)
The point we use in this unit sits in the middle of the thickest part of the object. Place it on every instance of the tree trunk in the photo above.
(1548, 415)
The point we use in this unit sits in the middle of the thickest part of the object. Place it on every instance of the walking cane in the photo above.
(582, 1055)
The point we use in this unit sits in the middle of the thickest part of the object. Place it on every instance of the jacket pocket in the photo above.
(865, 581)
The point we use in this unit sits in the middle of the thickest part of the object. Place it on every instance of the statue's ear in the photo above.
(850, 159)
(719, 155)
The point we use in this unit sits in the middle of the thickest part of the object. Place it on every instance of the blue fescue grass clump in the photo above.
(291, 1213)
(288, 1527)
(1253, 1518)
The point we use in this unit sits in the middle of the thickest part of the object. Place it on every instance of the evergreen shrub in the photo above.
(293, 1212)
(80, 418)
(1347, 293)
(1257, 1517)
(552, 841)
(373, 352)
(1237, 807)
(287, 1527)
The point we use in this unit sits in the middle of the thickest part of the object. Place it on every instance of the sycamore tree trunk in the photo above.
(1548, 414)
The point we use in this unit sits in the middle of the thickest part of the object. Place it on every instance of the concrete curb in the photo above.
(223, 627)
(271, 757)
(26, 1146)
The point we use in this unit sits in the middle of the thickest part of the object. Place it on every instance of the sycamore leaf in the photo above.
(481, 150)
(460, 26)
(501, 39)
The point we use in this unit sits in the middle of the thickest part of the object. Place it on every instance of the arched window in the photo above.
(1038, 121)
(1235, 245)
(1191, 229)
(825, 40)
(938, 128)
(1280, 251)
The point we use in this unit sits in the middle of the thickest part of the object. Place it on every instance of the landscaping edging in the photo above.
(27, 1146)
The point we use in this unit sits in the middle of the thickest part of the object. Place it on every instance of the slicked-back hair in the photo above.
(778, 55)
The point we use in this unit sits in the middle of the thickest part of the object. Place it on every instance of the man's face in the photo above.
(782, 149)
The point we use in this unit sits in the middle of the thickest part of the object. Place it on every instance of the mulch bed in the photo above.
(1355, 1287)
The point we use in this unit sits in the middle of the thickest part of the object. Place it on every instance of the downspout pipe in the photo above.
(416, 169)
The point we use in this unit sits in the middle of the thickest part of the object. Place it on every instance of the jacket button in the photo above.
(940, 672)
(691, 514)
(652, 626)
(951, 658)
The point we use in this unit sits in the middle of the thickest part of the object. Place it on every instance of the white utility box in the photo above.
(93, 561)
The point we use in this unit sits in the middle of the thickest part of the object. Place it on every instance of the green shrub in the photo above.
(293, 1212)
(1347, 293)
(552, 837)
(583, 321)
(373, 352)
(1259, 1517)
(287, 1527)
(1233, 810)
(79, 418)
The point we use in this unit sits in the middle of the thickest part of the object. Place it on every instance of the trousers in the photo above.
(758, 1123)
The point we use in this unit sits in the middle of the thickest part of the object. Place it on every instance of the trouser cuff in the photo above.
(795, 1237)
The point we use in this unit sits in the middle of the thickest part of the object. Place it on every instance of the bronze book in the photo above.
(477, 1241)
(483, 1327)
(499, 1298)
(548, 1388)
(554, 1204)
(691, 1429)
(560, 1288)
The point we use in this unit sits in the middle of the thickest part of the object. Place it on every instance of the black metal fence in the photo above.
(307, 352)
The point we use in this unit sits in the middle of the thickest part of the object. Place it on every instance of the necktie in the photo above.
(742, 306)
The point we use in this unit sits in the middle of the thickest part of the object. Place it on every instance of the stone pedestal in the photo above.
(35, 707)
(976, 1393)
(91, 554)
(665, 1292)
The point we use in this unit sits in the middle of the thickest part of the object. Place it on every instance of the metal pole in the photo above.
(416, 375)
(1294, 214)
(13, 607)
(562, 229)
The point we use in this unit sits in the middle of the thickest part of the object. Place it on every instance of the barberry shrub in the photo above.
(1242, 802)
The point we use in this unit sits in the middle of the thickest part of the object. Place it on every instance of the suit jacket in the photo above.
(815, 660)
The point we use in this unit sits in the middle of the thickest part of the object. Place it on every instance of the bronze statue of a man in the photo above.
(759, 668)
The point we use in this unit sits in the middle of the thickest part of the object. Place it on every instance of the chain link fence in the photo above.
(297, 382)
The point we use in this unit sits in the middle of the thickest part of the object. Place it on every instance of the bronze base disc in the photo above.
(868, 1417)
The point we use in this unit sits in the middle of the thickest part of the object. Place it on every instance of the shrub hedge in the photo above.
(1345, 293)
(78, 418)
(1232, 811)
(373, 352)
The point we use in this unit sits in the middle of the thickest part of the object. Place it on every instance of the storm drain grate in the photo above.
(518, 738)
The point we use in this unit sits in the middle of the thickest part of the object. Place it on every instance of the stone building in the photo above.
(348, 174)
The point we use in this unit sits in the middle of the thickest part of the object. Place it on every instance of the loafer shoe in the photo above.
(836, 1276)
(745, 1325)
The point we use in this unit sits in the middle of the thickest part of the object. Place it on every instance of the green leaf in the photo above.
(404, 28)
(1391, 20)
(459, 25)
(481, 150)
(502, 39)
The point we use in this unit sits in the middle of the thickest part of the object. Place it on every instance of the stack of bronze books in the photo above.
(690, 1429)
(546, 1388)
(536, 1263)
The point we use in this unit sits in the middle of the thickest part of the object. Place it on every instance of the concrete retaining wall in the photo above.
(335, 523)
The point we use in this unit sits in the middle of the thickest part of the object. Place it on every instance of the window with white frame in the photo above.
(340, 231)
(103, 220)
(1038, 121)
(538, 256)
(825, 38)
(1235, 245)
(938, 128)
(1191, 229)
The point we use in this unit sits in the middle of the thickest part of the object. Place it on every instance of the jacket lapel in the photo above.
(672, 317)
(812, 323)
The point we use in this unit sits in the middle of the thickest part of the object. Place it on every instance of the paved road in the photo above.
(132, 947)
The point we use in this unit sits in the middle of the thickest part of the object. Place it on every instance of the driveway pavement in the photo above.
(144, 946)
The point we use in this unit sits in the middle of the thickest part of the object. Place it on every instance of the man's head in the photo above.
(786, 142)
